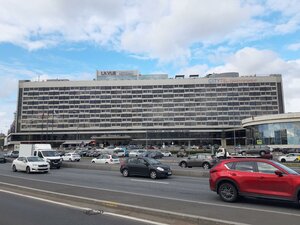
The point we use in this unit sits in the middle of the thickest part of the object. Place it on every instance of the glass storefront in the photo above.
(275, 134)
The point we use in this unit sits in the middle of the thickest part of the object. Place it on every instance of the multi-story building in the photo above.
(125, 107)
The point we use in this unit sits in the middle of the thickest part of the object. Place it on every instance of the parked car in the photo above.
(166, 153)
(106, 159)
(12, 154)
(254, 177)
(120, 152)
(291, 157)
(152, 154)
(202, 160)
(136, 153)
(61, 152)
(143, 166)
(261, 150)
(182, 153)
(2, 158)
(30, 164)
(96, 153)
(71, 157)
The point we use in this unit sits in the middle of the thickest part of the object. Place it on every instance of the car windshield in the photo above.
(153, 161)
(50, 153)
(289, 170)
(34, 159)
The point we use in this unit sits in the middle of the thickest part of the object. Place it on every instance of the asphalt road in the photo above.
(26, 211)
(177, 194)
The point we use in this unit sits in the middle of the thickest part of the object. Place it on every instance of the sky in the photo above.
(71, 39)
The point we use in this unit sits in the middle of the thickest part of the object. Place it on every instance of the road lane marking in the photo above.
(160, 197)
(183, 215)
(150, 181)
(132, 218)
(82, 208)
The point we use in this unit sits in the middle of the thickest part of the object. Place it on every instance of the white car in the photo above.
(71, 157)
(136, 153)
(106, 159)
(30, 164)
(167, 154)
(291, 157)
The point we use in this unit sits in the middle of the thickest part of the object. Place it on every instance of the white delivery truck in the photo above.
(43, 151)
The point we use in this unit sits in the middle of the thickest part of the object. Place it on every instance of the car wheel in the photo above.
(206, 166)
(70, 160)
(125, 173)
(27, 169)
(14, 169)
(183, 164)
(228, 192)
(153, 174)
(262, 153)
(283, 160)
(243, 153)
(93, 161)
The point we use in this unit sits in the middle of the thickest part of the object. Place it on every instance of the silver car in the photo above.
(201, 160)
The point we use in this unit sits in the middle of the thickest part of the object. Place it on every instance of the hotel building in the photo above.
(125, 107)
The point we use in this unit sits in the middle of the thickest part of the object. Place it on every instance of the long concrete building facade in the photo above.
(125, 107)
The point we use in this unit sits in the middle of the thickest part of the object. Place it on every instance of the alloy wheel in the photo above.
(228, 192)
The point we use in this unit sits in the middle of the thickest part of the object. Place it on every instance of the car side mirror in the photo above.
(279, 173)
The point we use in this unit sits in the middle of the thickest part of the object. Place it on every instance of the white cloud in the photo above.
(290, 10)
(294, 47)
(159, 29)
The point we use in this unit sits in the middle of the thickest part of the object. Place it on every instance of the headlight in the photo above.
(60, 159)
(34, 165)
(160, 169)
(48, 160)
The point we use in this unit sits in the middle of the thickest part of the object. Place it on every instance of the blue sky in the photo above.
(72, 39)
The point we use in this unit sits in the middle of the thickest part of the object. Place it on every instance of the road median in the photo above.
(176, 172)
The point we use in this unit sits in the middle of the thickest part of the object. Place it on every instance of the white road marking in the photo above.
(81, 208)
(160, 197)
(149, 181)
(136, 219)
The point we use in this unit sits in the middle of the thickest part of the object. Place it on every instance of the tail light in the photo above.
(111, 160)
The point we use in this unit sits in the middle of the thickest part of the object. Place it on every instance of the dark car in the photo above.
(144, 166)
(153, 154)
(2, 158)
(260, 178)
(202, 160)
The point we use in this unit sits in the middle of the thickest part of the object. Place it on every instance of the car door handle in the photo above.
(233, 174)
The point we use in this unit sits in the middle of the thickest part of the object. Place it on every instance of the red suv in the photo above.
(262, 178)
